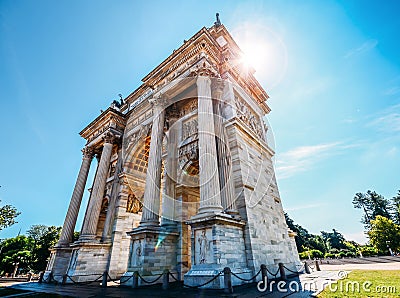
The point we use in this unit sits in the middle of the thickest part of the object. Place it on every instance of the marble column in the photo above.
(151, 199)
(106, 237)
(210, 199)
(89, 227)
(67, 231)
(224, 157)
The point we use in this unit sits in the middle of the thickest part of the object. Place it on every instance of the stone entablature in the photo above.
(110, 120)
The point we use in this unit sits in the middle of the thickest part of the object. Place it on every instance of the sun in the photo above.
(262, 50)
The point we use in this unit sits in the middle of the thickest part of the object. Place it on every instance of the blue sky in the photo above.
(331, 68)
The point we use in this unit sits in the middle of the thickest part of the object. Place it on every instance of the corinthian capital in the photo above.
(109, 137)
(87, 152)
(158, 102)
(217, 86)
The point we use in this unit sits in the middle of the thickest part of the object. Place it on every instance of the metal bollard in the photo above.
(263, 272)
(306, 268)
(282, 271)
(317, 266)
(41, 274)
(64, 279)
(104, 280)
(228, 281)
(165, 281)
(29, 276)
(135, 283)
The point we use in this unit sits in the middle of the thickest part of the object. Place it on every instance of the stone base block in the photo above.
(153, 250)
(59, 261)
(88, 261)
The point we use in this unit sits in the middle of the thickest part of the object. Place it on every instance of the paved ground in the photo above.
(305, 285)
(375, 266)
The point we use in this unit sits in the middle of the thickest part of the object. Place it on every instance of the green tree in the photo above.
(384, 232)
(8, 214)
(302, 234)
(333, 240)
(13, 250)
(396, 208)
(43, 238)
(373, 204)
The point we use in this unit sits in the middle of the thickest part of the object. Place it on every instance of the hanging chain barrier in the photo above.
(105, 277)
(87, 282)
(245, 279)
(153, 281)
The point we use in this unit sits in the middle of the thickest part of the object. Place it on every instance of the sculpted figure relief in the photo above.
(134, 205)
(203, 245)
(247, 116)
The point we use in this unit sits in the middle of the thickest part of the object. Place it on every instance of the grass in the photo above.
(366, 283)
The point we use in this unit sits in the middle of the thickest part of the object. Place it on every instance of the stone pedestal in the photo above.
(153, 249)
(88, 261)
(217, 242)
(60, 258)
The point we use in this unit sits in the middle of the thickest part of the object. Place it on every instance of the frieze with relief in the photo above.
(245, 114)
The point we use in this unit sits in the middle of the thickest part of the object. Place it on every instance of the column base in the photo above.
(87, 238)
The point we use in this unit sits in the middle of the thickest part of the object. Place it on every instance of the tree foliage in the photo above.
(396, 208)
(383, 233)
(373, 204)
(8, 214)
(31, 252)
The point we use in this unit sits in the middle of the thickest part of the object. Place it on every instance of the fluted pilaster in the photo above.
(67, 231)
(151, 200)
(93, 212)
(210, 199)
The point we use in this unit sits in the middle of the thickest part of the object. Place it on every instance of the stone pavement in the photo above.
(305, 285)
(375, 266)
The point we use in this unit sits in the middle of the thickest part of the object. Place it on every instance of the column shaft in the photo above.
(67, 231)
(89, 228)
(224, 157)
(151, 200)
(113, 198)
(210, 199)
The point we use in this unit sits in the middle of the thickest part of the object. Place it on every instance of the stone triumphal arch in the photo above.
(184, 180)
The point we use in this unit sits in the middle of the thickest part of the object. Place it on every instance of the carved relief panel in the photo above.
(203, 246)
(133, 205)
(136, 253)
(249, 117)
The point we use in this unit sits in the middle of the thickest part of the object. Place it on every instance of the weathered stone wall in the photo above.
(258, 201)
(124, 222)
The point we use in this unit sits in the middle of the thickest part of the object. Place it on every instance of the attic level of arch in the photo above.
(222, 53)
